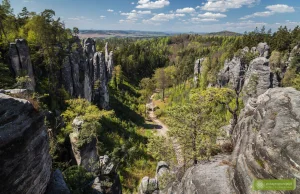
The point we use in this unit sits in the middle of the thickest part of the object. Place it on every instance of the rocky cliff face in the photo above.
(267, 139)
(21, 62)
(84, 72)
(258, 79)
(25, 163)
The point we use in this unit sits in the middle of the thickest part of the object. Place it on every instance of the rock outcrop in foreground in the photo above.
(25, 162)
(266, 146)
(267, 139)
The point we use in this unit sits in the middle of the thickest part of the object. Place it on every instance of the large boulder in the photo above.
(210, 177)
(21, 62)
(258, 79)
(263, 50)
(25, 162)
(57, 184)
(267, 139)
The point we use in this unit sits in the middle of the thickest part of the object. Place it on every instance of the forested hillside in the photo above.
(188, 101)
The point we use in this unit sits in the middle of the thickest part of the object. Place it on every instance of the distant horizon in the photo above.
(170, 16)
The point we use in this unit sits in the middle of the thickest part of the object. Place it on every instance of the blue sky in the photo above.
(170, 15)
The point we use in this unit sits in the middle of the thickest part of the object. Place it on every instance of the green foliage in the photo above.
(162, 149)
(6, 78)
(292, 76)
(89, 114)
(196, 124)
(78, 180)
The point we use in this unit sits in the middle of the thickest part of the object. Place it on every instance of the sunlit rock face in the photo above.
(267, 139)
(21, 62)
(25, 162)
(263, 50)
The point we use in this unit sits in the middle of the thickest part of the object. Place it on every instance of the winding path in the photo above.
(162, 131)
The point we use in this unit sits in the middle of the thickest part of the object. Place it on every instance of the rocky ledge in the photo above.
(25, 162)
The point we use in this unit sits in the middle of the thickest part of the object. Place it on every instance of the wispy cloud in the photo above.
(110, 10)
(147, 4)
(271, 10)
(225, 5)
(162, 17)
(135, 15)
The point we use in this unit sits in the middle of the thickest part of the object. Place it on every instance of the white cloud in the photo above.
(257, 14)
(210, 15)
(186, 10)
(147, 4)
(272, 9)
(225, 5)
(132, 3)
(162, 17)
(196, 20)
(134, 15)
(110, 10)
(280, 8)
(102, 17)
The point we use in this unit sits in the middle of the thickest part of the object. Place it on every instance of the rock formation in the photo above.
(231, 73)
(85, 155)
(107, 181)
(101, 95)
(197, 71)
(25, 162)
(267, 139)
(57, 184)
(207, 177)
(258, 79)
(152, 185)
(263, 50)
(66, 77)
(84, 72)
(21, 62)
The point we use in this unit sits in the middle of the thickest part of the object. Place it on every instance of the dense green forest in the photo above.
(141, 67)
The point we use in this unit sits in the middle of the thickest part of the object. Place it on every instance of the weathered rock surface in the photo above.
(258, 79)
(108, 180)
(66, 76)
(85, 155)
(151, 185)
(148, 185)
(231, 73)
(25, 162)
(263, 50)
(197, 71)
(21, 62)
(101, 95)
(57, 184)
(267, 139)
(211, 177)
